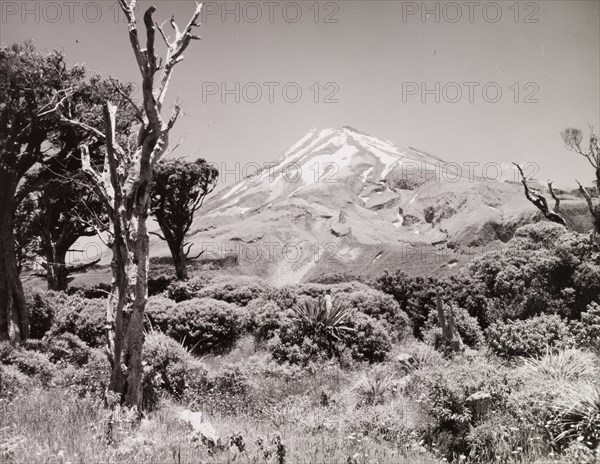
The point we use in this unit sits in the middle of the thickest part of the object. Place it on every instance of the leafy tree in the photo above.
(36, 141)
(32, 86)
(178, 191)
(66, 209)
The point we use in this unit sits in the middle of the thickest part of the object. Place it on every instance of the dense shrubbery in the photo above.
(381, 307)
(447, 394)
(466, 325)
(41, 312)
(81, 317)
(530, 337)
(587, 330)
(203, 325)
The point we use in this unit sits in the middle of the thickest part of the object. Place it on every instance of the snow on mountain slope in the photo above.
(341, 200)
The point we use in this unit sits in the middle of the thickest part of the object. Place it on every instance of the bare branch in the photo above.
(158, 235)
(539, 201)
(175, 52)
(587, 197)
(556, 199)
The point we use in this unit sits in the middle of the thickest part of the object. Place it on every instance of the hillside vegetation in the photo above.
(238, 370)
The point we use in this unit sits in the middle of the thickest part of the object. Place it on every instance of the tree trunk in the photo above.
(57, 272)
(14, 321)
(179, 259)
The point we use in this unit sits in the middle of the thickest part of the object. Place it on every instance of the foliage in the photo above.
(530, 337)
(369, 341)
(178, 191)
(203, 325)
(587, 330)
(31, 363)
(577, 416)
(466, 326)
(558, 273)
(381, 307)
(79, 316)
(563, 366)
(326, 322)
(169, 366)
(444, 393)
(66, 348)
(41, 312)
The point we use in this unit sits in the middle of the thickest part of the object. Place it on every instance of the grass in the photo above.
(53, 426)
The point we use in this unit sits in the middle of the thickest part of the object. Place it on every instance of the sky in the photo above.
(487, 82)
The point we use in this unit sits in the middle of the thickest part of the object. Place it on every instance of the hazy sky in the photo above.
(374, 57)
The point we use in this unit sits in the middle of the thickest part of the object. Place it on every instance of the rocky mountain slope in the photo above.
(340, 200)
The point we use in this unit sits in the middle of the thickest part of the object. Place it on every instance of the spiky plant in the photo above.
(566, 365)
(325, 323)
(577, 416)
(373, 388)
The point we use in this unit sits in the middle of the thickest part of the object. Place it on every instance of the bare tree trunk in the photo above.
(56, 270)
(180, 262)
(124, 186)
(14, 321)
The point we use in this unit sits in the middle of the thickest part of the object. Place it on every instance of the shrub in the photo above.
(369, 341)
(466, 325)
(203, 325)
(91, 379)
(444, 392)
(265, 317)
(530, 337)
(323, 323)
(382, 307)
(168, 368)
(239, 291)
(82, 317)
(182, 291)
(31, 363)
(587, 330)
(577, 416)
(64, 348)
(159, 310)
(565, 365)
(41, 312)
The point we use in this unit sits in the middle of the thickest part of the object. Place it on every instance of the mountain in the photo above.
(340, 200)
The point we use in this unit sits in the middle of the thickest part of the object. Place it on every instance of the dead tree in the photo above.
(540, 201)
(124, 185)
(450, 335)
(573, 138)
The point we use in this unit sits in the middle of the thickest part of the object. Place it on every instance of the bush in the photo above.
(577, 416)
(370, 341)
(91, 379)
(203, 325)
(562, 366)
(64, 348)
(382, 307)
(444, 392)
(182, 291)
(82, 317)
(530, 337)
(31, 363)
(466, 325)
(169, 367)
(587, 330)
(239, 291)
(366, 340)
(12, 382)
(41, 312)
(265, 317)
